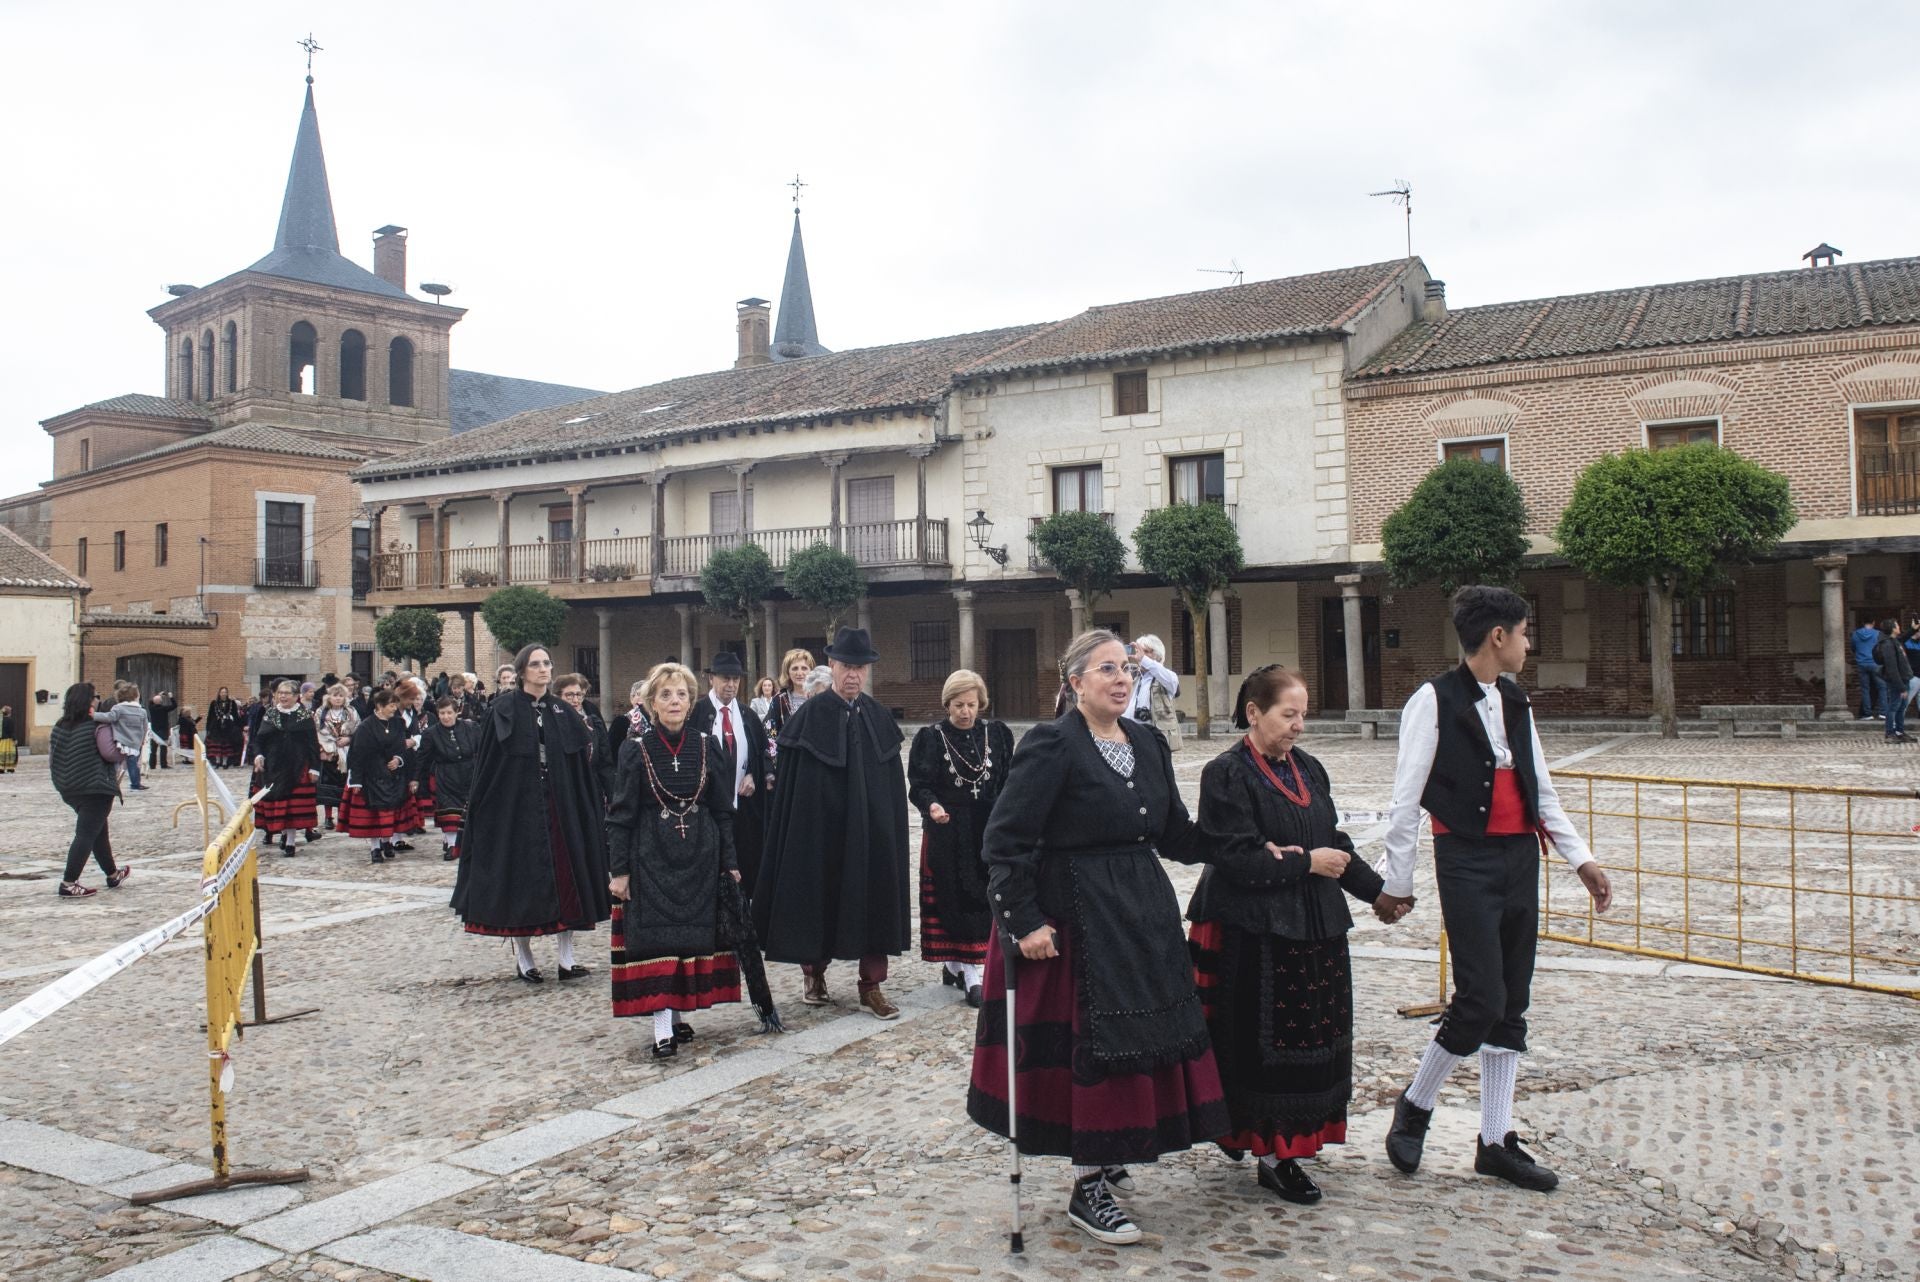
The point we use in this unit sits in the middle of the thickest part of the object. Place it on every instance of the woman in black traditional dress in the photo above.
(226, 725)
(533, 857)
(448, 748)
(334, 725)
(954, 773)
(1113, 1066)
(670, 841)
(1269, 937)
(376, 794)
(286, 756)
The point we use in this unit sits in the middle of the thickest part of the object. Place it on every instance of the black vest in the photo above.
(1460, 785)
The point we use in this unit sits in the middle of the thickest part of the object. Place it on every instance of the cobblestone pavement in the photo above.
(1705, 1124)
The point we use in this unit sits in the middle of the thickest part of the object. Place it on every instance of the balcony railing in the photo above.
(1033, 523)
(593, 561)
(874, 544)
(1889, 481)
(275, 572)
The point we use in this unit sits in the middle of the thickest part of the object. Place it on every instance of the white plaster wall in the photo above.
(43, 632)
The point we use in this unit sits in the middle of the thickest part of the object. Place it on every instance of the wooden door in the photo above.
(1332, 696)
(14, 694)
(870, 520)
(1012, 669)
(559, 544)
(153, 673)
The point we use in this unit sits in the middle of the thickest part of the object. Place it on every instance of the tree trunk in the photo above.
(746, 637)
(1202, 703)
(1660, 645)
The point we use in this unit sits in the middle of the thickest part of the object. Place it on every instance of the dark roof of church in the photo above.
(866, 380)
(259, 437)
(479, 399)
(794, 333)
(1762, 305)
(23, 565)
(1289, 307)
(151, 406)
(307, 245)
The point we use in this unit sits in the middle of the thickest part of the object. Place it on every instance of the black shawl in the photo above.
(1072, 843)
(952, 849)
(446, 759)
(833, 877)
(673, 891)
(1244, 885)
(377, 742)
(291, 747)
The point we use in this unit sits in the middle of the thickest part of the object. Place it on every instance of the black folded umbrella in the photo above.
(738, 923)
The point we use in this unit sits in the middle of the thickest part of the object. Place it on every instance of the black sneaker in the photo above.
(1407, 1137)
(1509, 1162)
(1094, 1212)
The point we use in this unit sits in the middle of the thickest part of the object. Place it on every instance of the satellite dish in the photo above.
(436, 289)
(181, 291)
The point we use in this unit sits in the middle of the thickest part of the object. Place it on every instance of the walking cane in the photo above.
(1010, 954)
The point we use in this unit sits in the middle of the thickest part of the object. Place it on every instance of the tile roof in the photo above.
(852, 382)
(1290, 307)
(1764, 305)
(23, 565)
(246, 436)
(141, 403)
(479, 399)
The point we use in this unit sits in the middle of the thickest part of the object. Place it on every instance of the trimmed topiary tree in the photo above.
(1194, 549)
(735, 581)
(1671, 522)
(1464, 523)
(410, 634)
(521, 616)
(826, 579)
(1083, 550)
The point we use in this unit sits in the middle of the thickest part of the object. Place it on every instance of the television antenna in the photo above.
(1232, 269)
(1402, 193)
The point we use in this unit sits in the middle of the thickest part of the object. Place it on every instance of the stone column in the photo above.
(466, 631)
(1220, 689)
(1833, 631)
(740, 471)
(504, 500)
(770, 640)
(686, 633)
(604, 616)
(1076, 611)
(1356, 640)
(657, 544)
(864, 619)
(963, 598)
(578, 493)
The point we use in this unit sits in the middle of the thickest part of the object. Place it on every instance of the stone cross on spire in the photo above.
(312, 47)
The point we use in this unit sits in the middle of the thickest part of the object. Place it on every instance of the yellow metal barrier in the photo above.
(210, 809)
(1795, 880)
(232, 930)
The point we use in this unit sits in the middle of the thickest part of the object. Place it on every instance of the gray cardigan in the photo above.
(130, 725)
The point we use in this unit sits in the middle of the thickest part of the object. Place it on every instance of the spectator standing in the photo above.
(160, 718)
(130, 728)
(1873, 690)
(1155, 689)
(1896, 677)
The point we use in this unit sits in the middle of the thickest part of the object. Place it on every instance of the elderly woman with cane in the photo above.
(1110, 1059)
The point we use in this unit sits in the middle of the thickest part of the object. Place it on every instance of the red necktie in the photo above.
(726, 733)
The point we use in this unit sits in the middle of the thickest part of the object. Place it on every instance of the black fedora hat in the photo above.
(853, 646)
(726, 664)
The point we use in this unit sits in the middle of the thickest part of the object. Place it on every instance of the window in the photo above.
(930, 651)
(184, 384)
(353, 366)
(86, 455)
(160, 544)
(1535, 639)
(230, 357)
(1492, 450)
(1665, 436)
(362, 561)
(400, 372)
(303, 349)
(1077, 489)
(206, 365)
(586, 661)
(723, 511)
(1702, 628)
(1886, 447)
(119, 549)
(872, 533)
(1130, 392)
(80, 557)
(1200, 479)
(285, 540)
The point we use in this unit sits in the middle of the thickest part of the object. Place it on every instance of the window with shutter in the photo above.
(1130, 392)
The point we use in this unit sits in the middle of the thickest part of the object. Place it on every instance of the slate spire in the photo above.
(794, 334)
(306, 212)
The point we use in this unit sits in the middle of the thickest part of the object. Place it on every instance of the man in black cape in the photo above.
(738, 728)
(833, 879)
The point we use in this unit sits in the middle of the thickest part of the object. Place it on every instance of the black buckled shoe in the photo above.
(1508, 1161)
(1093, 1211)
(1407, 1137)
(573, 972)
(683, 1033)
(950, 980)
(1286, 1180)
(666, 1049)
(531, 976)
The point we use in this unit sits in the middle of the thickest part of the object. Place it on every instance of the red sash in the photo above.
(1507, 815)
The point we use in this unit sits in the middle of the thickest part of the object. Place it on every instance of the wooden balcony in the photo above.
(891, 548)
(593, 568)
(1889, 480)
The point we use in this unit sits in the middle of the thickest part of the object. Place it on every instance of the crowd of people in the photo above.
(1886, 656)
(715, 835)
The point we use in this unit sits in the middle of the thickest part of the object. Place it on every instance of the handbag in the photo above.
(105, 744)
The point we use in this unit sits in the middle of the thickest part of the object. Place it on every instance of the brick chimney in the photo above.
(753, 325)
(390, 255)
(1433, 309)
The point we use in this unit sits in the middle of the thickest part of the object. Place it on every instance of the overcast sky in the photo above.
(600, 182)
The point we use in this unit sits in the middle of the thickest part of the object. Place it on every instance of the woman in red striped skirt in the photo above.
(287, 761)
(954, 773)
(669, 842)
(376, 778)
(444, 772)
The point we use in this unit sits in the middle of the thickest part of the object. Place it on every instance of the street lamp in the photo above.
(981, 529)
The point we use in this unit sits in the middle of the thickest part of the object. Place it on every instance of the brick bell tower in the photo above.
(307, 339)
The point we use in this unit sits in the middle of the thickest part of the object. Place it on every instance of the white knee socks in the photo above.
(563, 949)
(1082, 1172)
(1434, 1067)
(956, 968)
(522, 952)
(663, 1025)
(970, 974)
(1498, 1069)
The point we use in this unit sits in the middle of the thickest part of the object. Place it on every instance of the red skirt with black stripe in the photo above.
(1114, 1120)
(358, 819)
(295, 812)
(936, 945)
(642, 986)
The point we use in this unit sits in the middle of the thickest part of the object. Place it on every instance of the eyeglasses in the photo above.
(1108, 670)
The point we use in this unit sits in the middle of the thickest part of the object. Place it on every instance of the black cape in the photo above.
(749, 813)
(291, 747)
(224, 724)
(508, 879)
(446, 760)
(377, 742)
(833, 878)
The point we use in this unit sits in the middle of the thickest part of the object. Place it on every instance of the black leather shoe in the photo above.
(975, 997)
(374, 858)
(1508, 1161)
(683, 1033)
(531, 976)
(403, 845)
(573, 972)
(950, 980)
(1407, 1137)
(1286, 1179)
(665, 1050)
(312, 835)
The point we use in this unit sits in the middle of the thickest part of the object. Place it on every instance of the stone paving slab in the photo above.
(52, 1151)
(542, 1140)
(688, 1089)
(441, 1255)
(358, 1209)
(214, 1259)
(235, 1206)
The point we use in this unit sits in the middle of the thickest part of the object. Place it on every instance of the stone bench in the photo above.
(1371, 719)
(1728, 716)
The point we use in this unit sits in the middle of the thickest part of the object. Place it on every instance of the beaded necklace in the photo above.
(674, 806)
(971, 775)
(1302, 797)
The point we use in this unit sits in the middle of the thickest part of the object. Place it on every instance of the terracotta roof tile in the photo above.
(23, 565)
(152, 406)
(247, 436)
